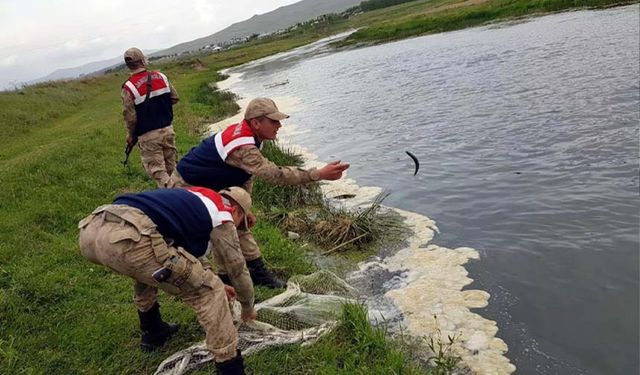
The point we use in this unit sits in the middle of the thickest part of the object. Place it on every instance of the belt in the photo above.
(113, 218)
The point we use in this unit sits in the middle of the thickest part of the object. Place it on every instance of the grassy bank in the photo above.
(434, 16)
(61, 159)
(61, 315)
(354, 347)
(421, 17)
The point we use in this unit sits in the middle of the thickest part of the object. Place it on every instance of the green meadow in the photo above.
(61, 158)
(435, 16)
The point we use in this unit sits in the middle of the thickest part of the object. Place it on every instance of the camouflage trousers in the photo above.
(158, 153)
(127, 241)
(248, 244)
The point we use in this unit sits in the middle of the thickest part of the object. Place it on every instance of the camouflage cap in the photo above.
(240, 196)
(134, 55)
(263, 107)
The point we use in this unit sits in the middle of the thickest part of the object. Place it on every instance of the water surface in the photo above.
(528, 140)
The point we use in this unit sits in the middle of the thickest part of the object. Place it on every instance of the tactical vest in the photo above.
(205, 164)
(186, 216)
(157, 111)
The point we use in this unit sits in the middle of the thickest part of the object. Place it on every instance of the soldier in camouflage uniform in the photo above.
(159, 238)
(147, 100)
(232, 158)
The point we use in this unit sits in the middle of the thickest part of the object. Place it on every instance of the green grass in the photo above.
(58, 312)
(61, 159)
(421, 17)
(369, 5)
(354, 347)
(440, 16)
(212, 105)
(268, 197)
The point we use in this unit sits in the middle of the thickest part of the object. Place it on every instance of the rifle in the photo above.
(127, 151)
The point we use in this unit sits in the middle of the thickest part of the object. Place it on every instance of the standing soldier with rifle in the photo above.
(147, 100)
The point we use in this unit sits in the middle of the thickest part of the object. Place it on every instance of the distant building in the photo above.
(212, 47)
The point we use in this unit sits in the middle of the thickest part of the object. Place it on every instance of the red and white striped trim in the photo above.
(232, 137)
(139, 98)
(225, 150)
(218, 211)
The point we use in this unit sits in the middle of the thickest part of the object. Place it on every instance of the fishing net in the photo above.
(305, 311)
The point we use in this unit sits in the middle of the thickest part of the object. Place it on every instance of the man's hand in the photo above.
(131, 141)
(333, 170)
(247, 315)
(251, 219)
(230, 292)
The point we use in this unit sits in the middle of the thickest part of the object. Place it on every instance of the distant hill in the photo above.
(280, 18)
(79, 70)
(93, 68)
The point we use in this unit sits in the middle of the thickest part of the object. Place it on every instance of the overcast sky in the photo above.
(40, 36)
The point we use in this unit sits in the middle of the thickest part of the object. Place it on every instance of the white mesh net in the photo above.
(308, 309)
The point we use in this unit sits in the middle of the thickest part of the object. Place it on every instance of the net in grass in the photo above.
(304, 312)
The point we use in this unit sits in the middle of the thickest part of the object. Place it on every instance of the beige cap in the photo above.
(264, 107)
(133, 55)
(241, 197)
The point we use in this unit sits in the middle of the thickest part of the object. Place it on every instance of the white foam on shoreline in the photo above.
(229, 81)
(433, 277)
(434, 288)
(432, 282)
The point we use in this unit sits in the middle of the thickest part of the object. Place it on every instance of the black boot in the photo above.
(234, 366)
(225, 278)
(155, 332)
(260, 275)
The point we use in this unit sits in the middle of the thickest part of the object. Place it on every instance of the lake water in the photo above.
(528, 138)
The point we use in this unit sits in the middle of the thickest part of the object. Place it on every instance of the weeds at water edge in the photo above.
(443, 361)
(303, 209)
(272, 197)
(337, 229)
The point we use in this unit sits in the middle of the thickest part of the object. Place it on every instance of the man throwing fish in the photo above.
(232, 157)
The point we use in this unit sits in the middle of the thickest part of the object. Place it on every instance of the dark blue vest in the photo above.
(204, 166)
(157, 111)
(179, 215)
(157, 114)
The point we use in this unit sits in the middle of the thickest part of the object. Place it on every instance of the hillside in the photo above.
(280, 18)
(79, 70)
(258, 24)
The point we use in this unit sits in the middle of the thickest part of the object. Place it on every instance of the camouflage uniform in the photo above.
(232, 157)
(124, 239)
(251, 160)
(157, 147)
